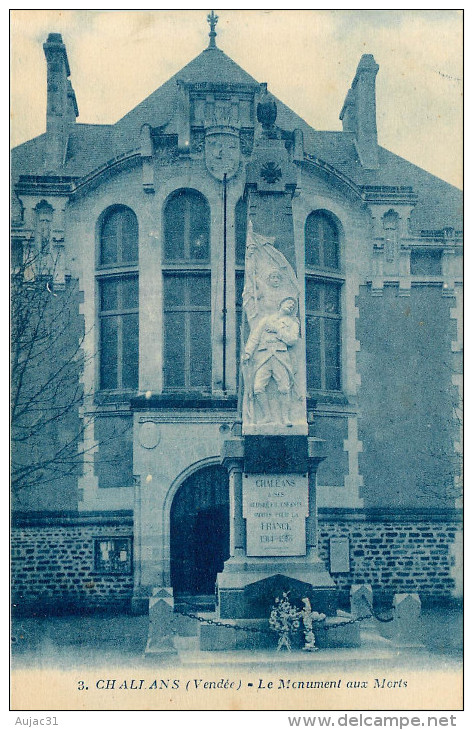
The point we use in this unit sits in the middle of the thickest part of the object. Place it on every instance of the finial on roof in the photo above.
(212, 20)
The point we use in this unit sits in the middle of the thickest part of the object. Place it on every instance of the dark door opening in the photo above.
(200, 531)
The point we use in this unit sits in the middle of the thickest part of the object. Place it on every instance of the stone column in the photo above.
(316, 455)
(232, 460)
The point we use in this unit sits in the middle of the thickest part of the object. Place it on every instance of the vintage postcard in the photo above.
(236, 421)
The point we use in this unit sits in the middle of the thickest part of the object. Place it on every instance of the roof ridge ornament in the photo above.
(212, 20)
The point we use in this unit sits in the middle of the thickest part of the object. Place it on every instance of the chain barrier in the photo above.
(254, 630)
(381, 619)
(203, 620)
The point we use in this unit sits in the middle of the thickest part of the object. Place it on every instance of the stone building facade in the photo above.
(145, 223)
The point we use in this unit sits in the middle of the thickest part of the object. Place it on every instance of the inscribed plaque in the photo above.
(275, 507)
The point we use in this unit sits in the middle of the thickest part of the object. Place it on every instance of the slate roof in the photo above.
(92, 145)
(212, 66)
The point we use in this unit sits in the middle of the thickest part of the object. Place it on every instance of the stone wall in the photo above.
(398, 552)
(53, 566)
(407, 418)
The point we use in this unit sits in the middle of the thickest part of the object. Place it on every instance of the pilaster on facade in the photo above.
(353, 480)
(88, 449)
(448, 270)
(456, 314)
(224, 344)
(352, 380)
(405, 279)
(377, 281)
(146, 152)
(455, 551)
(42, 236)
(391, 239)
(150, 300)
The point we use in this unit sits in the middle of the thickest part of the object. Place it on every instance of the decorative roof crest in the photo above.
(212, 20)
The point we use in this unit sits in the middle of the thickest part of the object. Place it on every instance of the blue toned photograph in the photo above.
(236, 359)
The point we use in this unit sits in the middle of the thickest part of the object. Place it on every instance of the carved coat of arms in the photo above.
(222, 153)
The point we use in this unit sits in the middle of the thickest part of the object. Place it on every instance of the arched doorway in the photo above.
(200, 524)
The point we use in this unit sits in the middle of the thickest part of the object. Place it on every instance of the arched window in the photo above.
(119, 237)
(117, 276)
(186, 292)
(321, 241)
(187, 228)
(323, 303)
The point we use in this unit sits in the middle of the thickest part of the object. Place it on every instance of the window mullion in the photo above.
(320, 236)
(119, 351)
(187, 336)
(322, 352)
(120, 239)
(187, 354)
(187, 229)
(323, 379)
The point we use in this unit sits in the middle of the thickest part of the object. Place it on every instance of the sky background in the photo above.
(307, 57)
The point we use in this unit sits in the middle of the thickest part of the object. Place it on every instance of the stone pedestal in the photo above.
(361, 600)
(406, 629)
(161, 623)
(248, 587)
(273, 534)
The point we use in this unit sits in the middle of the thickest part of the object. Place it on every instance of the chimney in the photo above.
(348, 113)
(61, 104)
(358, 113)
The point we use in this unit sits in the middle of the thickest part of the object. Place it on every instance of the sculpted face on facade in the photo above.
(222, 154)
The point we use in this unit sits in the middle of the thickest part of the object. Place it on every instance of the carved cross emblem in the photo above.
(271, 172)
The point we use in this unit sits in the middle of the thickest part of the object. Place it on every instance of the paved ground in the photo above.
(75, 641)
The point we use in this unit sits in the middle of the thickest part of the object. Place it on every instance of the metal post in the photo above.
(224, 310)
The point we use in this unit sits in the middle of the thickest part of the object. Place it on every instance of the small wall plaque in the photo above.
(339, 555)
(149, 435)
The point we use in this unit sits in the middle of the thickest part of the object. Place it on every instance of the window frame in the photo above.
(117, 271)
(186, 262)
(186, 268)
(119, 264)
(330, 276)
(321, 315)
(119, 314)
(320, 266)
(187, 310)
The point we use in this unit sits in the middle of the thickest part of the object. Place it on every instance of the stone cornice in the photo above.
(186, 401)
(388, 514)
(68, 185)
(71, 519)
